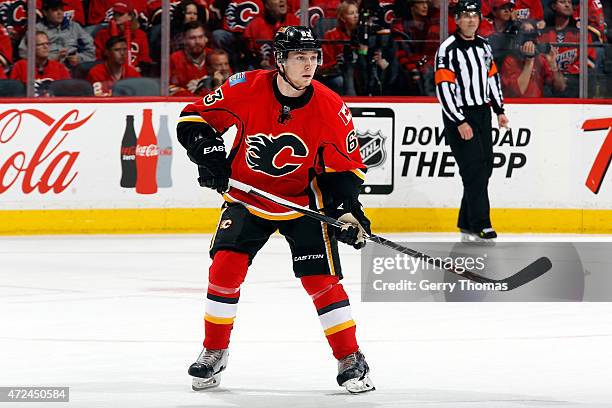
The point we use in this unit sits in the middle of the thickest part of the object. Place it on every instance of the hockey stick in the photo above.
(532, 271)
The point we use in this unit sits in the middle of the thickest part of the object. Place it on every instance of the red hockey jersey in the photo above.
(260, 29)
(14, 16)
(529, 9)
(331, 50)
(525, 9)
(597, 23)
(318, 9)
(568, 59)
(279, 158)
(52, 71)
(6, 48)
(541, 75)
(183, 70)
(102, 80)
(421, 51)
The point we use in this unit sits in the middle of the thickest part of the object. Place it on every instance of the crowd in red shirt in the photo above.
(394, 55)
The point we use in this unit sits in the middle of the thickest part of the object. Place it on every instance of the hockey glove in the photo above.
(209, 154)
(357, 225)
(341, 193)
(206, 149)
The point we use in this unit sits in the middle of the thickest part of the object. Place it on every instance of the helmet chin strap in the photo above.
(286, 79)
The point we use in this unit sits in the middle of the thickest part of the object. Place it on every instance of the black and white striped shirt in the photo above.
(466, 76)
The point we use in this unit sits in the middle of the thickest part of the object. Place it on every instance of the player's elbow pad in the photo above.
(190, 132)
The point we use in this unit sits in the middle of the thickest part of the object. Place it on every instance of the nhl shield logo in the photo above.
(372, 148)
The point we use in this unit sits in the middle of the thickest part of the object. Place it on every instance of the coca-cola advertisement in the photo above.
(43, 164)
(59, 156)
(146, 160)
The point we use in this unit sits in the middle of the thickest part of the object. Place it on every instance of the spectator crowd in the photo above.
(370, 47)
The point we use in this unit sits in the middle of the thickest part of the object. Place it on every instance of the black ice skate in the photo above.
(205, 371)
(353, 374)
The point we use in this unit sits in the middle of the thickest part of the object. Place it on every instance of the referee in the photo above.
(467, 83)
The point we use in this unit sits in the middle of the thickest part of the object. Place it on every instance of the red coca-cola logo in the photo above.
(147, 151)
(49, 168)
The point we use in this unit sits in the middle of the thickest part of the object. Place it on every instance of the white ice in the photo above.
(118, 319)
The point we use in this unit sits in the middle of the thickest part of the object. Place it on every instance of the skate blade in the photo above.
(357, 386)
(201, 384)
(474, 239)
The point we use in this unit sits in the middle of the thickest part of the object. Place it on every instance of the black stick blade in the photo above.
(532, 271)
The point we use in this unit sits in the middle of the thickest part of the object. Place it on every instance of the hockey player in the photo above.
(295, 139)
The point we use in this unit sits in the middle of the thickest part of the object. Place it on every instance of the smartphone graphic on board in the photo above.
(375, 128)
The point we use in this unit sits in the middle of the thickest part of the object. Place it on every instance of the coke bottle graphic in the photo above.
(128, 154)
(146, 156)
(164, 161)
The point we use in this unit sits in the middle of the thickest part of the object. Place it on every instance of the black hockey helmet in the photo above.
(295, 38)
(467, 6)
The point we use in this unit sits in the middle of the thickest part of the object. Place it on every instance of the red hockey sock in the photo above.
(334, 312)
(225, 276)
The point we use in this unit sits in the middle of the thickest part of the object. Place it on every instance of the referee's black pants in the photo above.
(475, 160)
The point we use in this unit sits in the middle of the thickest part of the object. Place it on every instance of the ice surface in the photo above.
(118, 319)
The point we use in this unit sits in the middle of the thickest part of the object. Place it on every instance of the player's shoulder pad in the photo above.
(332, 108)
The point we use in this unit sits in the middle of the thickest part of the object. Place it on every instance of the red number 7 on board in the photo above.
(602, 160)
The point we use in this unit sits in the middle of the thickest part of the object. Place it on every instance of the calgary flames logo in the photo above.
(388, 13)
(13, 14)
(275, 156)
(240, 14)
